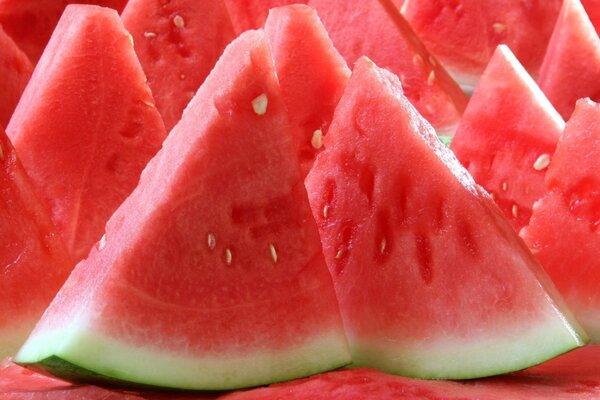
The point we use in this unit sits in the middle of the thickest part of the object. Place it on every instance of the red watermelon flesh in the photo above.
(463, 34)
(86, 125)
(15, 71)
(572, 63)
(507, 136)
(252, 14)
(563, 231)
(592, 8)
(311, 73)
(178, 43)
(431, 279)
(376, 29)
(33, 261)
(211, 274)
(31, 22)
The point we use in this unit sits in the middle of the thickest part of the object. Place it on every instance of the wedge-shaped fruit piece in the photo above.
(312, 74)
(33, 260)
(252, 14)
(592, 8)
(211, 274)
(507, 136)
(463, 34)
(178, 43)
(86, 125)
(572, 63)
(432, 280)
(563, 231)
(15, 71)
(376, 29)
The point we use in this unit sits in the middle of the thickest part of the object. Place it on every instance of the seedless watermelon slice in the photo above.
(252, 14)
(211, 274)
(178, 43)
(572, 63)
(311, 73)
(507, 136)
(563, 232)
(33, 261)
(431, 279)
(15, 71)
(86, 125)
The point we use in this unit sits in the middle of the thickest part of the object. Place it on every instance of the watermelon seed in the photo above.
(325, 211)
(130, 38)
(212, 241)
(228, 256)
(317, 139)
(339, 254)
(148, 103)
(273, 252)
(259, 104)
(431, 78)
(542, 162)
(515, 210)
(432, 61)
(417, 60)
(1, 154)
(382, 245)
(504, 186)
(102, 242)
(178, 21)
(499, 27)
(149, 34)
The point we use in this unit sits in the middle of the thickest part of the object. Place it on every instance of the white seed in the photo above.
(515, 210)
(102, 242)
(148, 103)
(211, 241)
(504, 186)
(317, 139)
(431, 78)
(339, 254)
(273, 252)
(417, 59)
(149, 34)
(499, 27)
(178, 21)
(382, 245)
(542, 162)
(228, 256)
(259, 104)
(130, 38)
(432, 61)
(1, 153)
(325, 211)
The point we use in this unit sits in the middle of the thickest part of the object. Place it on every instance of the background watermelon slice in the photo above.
(507, 136)
(431, 279)
(178, 43)
(376, 29)
(15, 71)
(86, 125)
(592, 8)
(251, 301)
(252, 14)
(563, 232)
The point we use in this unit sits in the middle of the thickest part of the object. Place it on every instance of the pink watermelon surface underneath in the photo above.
(15, 71)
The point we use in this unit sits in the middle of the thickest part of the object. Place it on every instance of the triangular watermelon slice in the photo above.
(572, 63)
(211, 274)
(178, 43)
(86, 125)
(563, 231)
(252, 14)
(377, 29)
(33, 260)
(15, 71)
(507, 136)
(463, 34)
(311, 73)
(431, 279)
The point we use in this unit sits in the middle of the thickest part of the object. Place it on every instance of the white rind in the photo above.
(147, 366)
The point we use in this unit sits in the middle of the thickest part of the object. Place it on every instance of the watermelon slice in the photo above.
(178, 43)
(31, 253)
(463, 34)
(86, 125)
(563, 232)
(252, 14)
(15, 71)
(376, 29)
(508, 158)
(311, 73)
(572, 63)
(592, 8)
(431, 279)
(31, 22)
(250, 303)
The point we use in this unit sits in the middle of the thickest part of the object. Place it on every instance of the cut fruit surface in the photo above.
(15, 71)
(312, 74)
(178, 43)
(86, 125)
(507, 136)
(572, 63)
(563, 231)
(431, 279)
(358, 29)
(252, 14)
(211, 274)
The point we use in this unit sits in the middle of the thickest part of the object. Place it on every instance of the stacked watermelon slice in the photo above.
(302, 214)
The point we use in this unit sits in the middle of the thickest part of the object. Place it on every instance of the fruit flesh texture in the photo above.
(311, 73)
(562, 232)
(15, 71)
(463, 34)
(423, 289)
(357, 29)
(572, 63)
(178, 43)
(508, 158)
(249, 303)
(252, 14)
(86, 124)
(592, 8)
